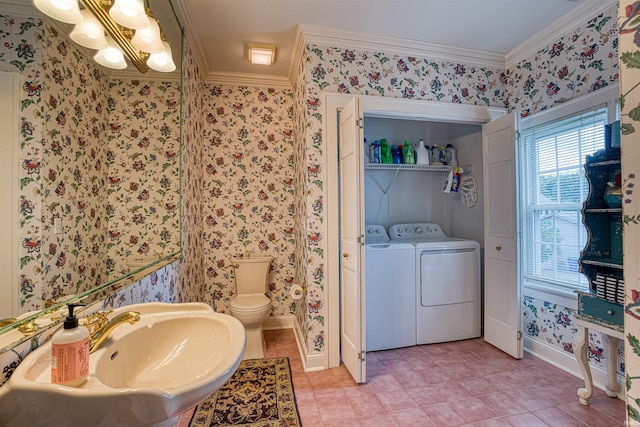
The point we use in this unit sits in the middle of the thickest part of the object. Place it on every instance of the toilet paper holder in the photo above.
(297, 291)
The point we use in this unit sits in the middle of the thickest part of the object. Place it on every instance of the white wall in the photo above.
(416, 196)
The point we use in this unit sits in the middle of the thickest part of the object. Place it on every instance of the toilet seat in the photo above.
(250, 302)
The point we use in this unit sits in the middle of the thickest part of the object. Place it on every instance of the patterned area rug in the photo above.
(259, 394)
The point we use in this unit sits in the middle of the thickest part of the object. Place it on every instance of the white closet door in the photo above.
(352, 297)
(502, 307)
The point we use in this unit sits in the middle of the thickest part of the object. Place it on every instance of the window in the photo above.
(553, 188)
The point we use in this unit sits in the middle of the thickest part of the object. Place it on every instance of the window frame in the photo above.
(605, 97)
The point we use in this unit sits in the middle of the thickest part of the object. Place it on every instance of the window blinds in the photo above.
(553, 188)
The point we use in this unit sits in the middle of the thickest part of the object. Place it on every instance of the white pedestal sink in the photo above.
(145, 375)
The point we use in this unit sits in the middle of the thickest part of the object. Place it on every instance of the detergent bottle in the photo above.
(422, 153)
(385, 152)
(408, 154)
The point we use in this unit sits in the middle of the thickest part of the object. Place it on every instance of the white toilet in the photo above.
(250, 305)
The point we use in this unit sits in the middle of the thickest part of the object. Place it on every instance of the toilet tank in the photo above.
(251, 274)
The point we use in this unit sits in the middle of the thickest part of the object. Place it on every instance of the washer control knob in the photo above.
(407, 230)
(418, 230)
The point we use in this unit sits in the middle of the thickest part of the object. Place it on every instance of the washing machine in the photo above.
(448, 283)
(390, 291)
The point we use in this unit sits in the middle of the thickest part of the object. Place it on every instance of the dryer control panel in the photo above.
(421, 230)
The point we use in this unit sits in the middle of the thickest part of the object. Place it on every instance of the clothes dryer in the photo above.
(448, 283)
(389, 291)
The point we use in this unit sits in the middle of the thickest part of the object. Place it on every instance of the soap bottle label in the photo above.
(69, 362)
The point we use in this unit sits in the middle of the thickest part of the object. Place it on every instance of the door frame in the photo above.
(372, 106)
(11, 83)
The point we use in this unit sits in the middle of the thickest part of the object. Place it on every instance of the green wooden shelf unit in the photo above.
(602, 254)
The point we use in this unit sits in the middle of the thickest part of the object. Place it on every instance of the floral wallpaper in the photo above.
(581, 61)
(143, 163)
(248, 189)
(300, 200)
(22, 51)
(553, 324)
(192, 267)
(629, 18)
(73, 169)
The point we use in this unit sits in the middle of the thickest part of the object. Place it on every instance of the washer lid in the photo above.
(250, 301)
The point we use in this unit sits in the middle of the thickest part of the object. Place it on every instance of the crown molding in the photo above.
(398, 46)
(579, 16)
(248, 79)
(298, 55)
(18, 8)
(185, 17)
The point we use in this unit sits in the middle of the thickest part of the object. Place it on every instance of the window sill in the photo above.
(565, 297)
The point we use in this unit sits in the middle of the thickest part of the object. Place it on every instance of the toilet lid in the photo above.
(250, 302)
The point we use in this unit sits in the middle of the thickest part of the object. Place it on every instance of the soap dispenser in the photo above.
(70, 352)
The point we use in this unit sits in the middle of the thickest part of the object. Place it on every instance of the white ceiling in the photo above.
(220, 29)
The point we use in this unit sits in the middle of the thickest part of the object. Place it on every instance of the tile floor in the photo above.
(464, 383)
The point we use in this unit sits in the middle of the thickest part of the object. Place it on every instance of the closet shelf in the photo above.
(432, 168)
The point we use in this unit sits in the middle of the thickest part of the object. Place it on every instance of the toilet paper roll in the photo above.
(296, 292)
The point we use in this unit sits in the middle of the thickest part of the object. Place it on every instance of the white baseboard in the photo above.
(278, 322)
(310, 361)
(567, 362)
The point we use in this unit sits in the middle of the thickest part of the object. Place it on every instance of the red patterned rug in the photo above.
(259, 394)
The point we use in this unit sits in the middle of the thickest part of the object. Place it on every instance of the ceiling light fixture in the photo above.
(132, 28)
(66, 11)
(89, 32)
(262, 54)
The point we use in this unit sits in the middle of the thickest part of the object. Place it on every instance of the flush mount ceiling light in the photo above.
(132, 29)
(262, 54)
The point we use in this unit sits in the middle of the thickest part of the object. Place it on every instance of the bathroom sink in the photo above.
(148, 373)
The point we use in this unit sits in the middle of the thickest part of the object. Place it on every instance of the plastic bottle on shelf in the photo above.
(395, 153)
(367, 151)
(442, 156)
(408, 155)
(452, 155)
(385, 152)
(422, 153)
(375, 152)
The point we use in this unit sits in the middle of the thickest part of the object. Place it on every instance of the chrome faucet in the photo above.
(100, 332)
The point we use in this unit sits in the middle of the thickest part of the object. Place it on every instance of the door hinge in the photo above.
(360, 123)
(362, 355)
(519, 335)
(361, 239)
